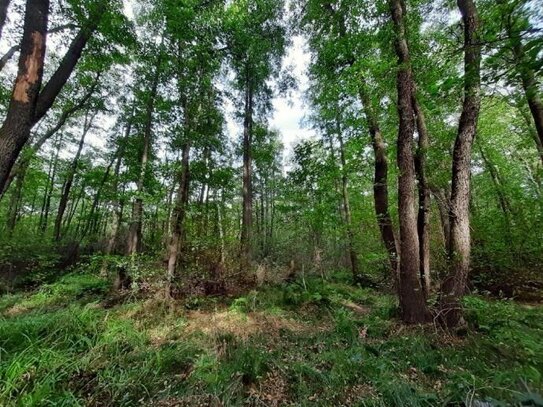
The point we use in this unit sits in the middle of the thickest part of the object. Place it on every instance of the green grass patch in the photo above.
(305, 343)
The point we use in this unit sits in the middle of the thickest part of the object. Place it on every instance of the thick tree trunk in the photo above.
(15, 130)
(423, 217)
(67, 187)
(454, 286)
(412, 300)
(178, 218)
(136, 225)
(380, 184)
(247, 211)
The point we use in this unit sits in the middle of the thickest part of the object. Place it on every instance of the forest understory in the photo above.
(313, 341)
(271, 203)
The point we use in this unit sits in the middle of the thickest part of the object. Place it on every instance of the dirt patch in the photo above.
(240, 325)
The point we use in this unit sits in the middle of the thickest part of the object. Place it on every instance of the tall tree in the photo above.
(255, 35)
(454, 285)
(412, 299)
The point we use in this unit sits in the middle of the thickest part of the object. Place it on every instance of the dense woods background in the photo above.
(136, 147)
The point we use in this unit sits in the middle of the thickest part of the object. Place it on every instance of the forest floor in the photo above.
(303, 344)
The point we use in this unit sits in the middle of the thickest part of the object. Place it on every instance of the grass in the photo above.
(316, 343)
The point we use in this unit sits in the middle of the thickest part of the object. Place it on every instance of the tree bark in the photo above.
(15, 130)
(247, 212)
(454, 285)
(380, 184)
(412, 300)
(423, 217)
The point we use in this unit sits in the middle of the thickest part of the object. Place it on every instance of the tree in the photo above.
(255, 38)
(454, 285)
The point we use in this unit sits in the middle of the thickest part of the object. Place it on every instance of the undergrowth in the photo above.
(310, 342)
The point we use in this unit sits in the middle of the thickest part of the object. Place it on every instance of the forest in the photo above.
(271, 203)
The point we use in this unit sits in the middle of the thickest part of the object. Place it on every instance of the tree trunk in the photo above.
(15, 201)
(8, 55)
(92, 220)
(4, 4)
(412, 300)
(423, 217)
(136, 225)
(47, 197)
(380, 184)
(443, 202)
(347, 210)
(59, 78)
(24, 159)
(66, 188)
(497, 182)
(529, 83)
(454, 285)
(178, 218)
(15, 130)
(247, 213)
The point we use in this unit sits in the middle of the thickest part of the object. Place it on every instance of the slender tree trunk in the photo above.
(92, 220)
(347, 210)
(423, 217)
(15, 202)
(4, 4)
(7, 56)
(136, 225)
(380, 184)
(247, 213)
(66, 188)
(454, 285)
(178, 218)
(220, 216)
(498, 188)
(15, 130)
(412, 300)
(47, 200)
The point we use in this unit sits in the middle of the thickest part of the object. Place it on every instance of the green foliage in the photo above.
(316, 349)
